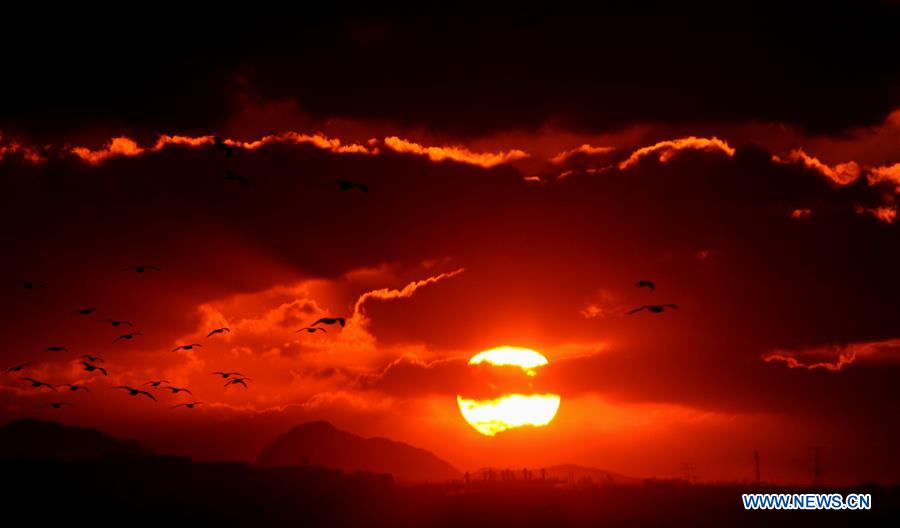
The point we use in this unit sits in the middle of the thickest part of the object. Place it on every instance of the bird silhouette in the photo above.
(92, 359)
(141, 268)
(156, 383)
(56, 349)
(176, 390)
(225, 375)
(37, 384)
(17, 368)
(345, 185)
(654, 308)
(222, 330)
(129, 336)
(56, 405)
(188, 405)
(236, 381)
(330, 321)
(241, 180)
(74, 388)
(90, 367)
(135, 392)
(219, 143)
(28, 285)
(311, 329)
(87, 311)
(186, 347)
(115, 322)
(650, 285)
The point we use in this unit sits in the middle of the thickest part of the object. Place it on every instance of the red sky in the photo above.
(771, 225)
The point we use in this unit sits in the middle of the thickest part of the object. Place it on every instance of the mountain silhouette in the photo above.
(323, 444)
(34, 439)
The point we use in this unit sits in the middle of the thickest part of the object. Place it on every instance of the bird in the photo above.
(345, 185)
(87, 311)
(56, 405)
(56, 349)
(225, 375)
(127, 336)
(220, 144)
(90, 367)
(135, 392)
(650, 285)
(74, 388)
(188, 405)
(186, 347)
(312, 329)
(28, 285)
(156, 383)
(235, 381)
(176, 390)
(330, 321)
(115, 322)
(241, 180)
(222, 330)
(17, 368)
(36, 384)
(141, 268)
(654, 308)
(92, 359)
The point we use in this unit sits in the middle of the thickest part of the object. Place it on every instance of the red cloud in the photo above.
(665, 150)
(455, 153)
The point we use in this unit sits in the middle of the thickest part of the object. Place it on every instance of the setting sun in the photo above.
(509, 411)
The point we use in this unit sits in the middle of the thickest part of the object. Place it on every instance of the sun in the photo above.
(509, 410)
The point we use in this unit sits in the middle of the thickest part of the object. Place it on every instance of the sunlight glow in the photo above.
(508, 411)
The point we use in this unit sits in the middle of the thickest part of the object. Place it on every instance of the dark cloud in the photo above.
(590, 68)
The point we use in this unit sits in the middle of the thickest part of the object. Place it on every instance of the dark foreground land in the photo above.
(177, 492)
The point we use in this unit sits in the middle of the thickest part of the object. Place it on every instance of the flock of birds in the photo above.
(91, 364)
(652, 308)
(94, 364)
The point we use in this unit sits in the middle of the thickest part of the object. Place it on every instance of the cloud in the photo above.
(457, 153)
(841, 174)
(666, 150)
(836, 357)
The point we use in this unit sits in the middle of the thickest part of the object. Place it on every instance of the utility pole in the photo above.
(756, 461)
(817, 467)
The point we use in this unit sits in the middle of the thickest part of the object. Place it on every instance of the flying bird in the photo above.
(344, 186)
(188, 405)
(74, 388)
(32, 285)
(17, 368)
(186, 347)
(92, 359)
(235, 381)
(176, 390)
(654, 308)
(330, 321)
(219, 143)
(141, 268)
(87, 311)
(115, 322)
(90, 367)
(135, 392)
(650, 285)
(225, 375)
(127, 336)
(56, 349)
(241, 180)
(311, 329)
(156, 383)
(56, 405)
(36, 384)
(222, 330)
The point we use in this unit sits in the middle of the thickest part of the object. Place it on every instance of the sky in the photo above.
(524, 170)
